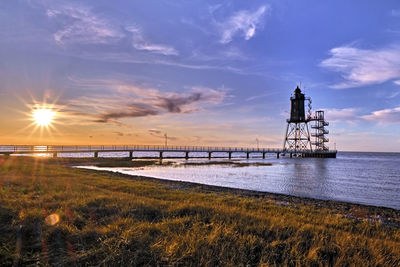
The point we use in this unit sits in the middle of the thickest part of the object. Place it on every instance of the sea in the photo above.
(357, 177)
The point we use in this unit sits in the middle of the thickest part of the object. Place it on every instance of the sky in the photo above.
(213, 73)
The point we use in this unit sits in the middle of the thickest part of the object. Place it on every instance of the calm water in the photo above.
(365, 178)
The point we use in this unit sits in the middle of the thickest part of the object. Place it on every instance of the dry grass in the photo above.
(106, 219)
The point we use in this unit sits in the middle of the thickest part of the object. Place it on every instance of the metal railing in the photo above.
(153, 148)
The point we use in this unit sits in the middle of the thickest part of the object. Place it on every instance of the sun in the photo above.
(43, 116)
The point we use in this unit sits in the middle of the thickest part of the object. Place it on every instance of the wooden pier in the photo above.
(185, 152)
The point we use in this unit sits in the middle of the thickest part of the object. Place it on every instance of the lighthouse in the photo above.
(297, 137)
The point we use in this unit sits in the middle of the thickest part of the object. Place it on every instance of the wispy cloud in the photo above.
(384, 116)
(213, 8)
(360, 67)
(348, 115)
(128, 58)
(394, 94)
(80, 25)
(125, 101)
(118, 134)
(174, 104)
(155, 131)
(230, 53)
(161, 134)
(254, 97)
(395, 12)
(132, 110)
(243, 22)
(140, 43)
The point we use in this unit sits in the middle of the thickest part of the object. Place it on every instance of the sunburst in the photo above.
(42, 116)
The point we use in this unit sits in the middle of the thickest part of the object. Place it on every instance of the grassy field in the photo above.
(51, 214)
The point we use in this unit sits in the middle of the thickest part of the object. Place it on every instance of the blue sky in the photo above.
(205, 72)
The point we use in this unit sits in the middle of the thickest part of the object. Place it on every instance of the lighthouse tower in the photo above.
(297, 137)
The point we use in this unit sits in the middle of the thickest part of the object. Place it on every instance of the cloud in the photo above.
(394, 94)
(210, 54)
(170, 103)
(159, 49)
(118, 133)
(161, 134)
(140, 43)
(360, 67)
(349, 115)
(395, 12)
(254, 97)
(174, 104)
(129, 111)
(213, 8)
(154, 131)
(128, 58)
(182, 103)
(126, 101)
(81, 26)
(243, 22)
(384, 116)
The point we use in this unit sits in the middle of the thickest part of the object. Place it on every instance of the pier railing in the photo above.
(121, 148)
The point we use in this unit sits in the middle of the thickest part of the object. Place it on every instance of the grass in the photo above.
(110, 219)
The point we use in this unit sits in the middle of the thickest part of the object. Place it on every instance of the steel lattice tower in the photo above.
(297, 137)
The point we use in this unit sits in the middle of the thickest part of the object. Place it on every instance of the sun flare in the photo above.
(43, 116)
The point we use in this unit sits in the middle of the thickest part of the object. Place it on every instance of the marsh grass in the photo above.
(109, 219)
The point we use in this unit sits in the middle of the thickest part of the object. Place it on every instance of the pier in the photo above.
(185, 152)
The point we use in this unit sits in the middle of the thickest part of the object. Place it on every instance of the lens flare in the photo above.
(52, 219)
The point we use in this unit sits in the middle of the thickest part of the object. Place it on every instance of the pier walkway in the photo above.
(185, 151)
